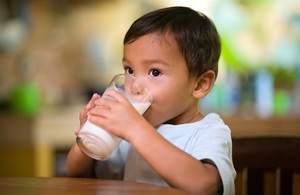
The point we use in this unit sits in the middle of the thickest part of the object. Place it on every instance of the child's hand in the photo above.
(84, 113)
(117, 116)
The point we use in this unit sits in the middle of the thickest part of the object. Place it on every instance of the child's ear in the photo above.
(204, 84)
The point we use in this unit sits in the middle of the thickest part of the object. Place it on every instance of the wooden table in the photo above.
(63, 185)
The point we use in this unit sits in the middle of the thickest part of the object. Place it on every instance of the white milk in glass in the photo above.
(100, 143)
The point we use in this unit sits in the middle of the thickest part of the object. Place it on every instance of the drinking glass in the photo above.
(95, 141)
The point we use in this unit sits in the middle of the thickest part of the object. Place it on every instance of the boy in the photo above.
(175, 51)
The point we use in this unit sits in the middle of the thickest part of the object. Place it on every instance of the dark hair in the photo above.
(195, 34)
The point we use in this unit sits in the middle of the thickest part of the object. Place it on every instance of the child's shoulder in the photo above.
(211, 121)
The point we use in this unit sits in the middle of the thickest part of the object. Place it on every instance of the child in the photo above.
(175, 51)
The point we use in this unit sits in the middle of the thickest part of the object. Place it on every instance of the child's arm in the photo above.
(176, 167)
(179, 169)
(78, 163)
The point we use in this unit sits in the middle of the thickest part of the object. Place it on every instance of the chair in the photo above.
(267, 165)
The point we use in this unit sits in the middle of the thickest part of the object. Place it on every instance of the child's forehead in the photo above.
(161, 38)
(153, 48)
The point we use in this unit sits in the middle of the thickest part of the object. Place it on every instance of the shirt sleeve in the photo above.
(214, 144)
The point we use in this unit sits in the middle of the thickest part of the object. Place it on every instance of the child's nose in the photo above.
(137, 88)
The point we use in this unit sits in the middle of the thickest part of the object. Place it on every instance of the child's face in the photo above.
(157, 61)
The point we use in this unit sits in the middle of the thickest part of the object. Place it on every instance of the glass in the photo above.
(98, 143)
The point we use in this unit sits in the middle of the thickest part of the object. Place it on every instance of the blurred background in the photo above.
(55, 54)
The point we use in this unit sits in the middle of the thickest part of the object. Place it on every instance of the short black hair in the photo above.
(195, 34)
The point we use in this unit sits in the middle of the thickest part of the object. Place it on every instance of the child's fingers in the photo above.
(91, 103)
(76, 131)
(83, 114)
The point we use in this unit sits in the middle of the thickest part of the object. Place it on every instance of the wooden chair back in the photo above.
(267, 165)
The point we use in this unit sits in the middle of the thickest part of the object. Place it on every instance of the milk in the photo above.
(95, 141)
(141, 107)
(98, 143)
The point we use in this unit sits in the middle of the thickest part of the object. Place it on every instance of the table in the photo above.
(64, 185)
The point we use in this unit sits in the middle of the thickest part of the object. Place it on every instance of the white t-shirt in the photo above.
(208, 139)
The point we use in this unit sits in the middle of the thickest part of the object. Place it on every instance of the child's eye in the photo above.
(129, 70)
(155, 73)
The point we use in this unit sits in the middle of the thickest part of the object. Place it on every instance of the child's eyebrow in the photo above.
(149, 62)
(124, 60)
